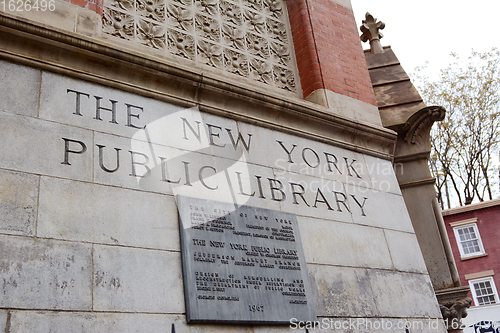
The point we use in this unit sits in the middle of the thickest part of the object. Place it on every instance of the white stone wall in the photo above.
(88, 250)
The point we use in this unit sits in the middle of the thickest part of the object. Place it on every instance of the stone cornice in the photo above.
(471, 207)
(421, 182)
(99, 61)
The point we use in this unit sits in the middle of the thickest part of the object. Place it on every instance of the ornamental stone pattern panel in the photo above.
(248, 38)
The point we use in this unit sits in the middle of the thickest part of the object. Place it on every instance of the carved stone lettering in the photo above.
(242, 264)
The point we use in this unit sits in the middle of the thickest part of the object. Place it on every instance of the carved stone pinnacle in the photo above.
(371, 32)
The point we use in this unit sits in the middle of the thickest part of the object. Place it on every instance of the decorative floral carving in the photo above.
(233, 37)
(248, 38)
(257, 45)
(261, 71)
(281, 54)
(151, 34)
(210, 54)
(118, 24)
(123, 4)
(179, 17)
(181, 44)
(255, 22)
(274, 8)
(207, 27)
(276, 30)
(254, 4)
(207, 6)
(235, 62)
(284, 78)
(231, 13)
(152, 9)
(182, 2)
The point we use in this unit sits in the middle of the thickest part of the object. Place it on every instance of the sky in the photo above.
(429, 30)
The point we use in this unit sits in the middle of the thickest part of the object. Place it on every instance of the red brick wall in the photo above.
(328, 49)
(95, 5)
(488, 223)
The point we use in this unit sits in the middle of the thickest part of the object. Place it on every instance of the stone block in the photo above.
(77, 211)
(62, 322)
(75, 102)
(343, 244)
(83, 104)
(364, 293)
(137, 280)
(18, 203)
(288, 153)
(405, 252)
(201, 132)
(62, 16)
(88, 22)
(267, 329)
(423, 325)
(223, 328)
(404, 295)
(375, 325)
(45, 274)
(3, 321)
(352, 108)
(247, 183)
(381, 209)
(382, 174)
(314, 197)
(137, 164)
(19, 89)
(38, 146)
(162, 169)
(342, 291)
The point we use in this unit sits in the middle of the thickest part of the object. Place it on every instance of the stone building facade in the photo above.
(111, 111)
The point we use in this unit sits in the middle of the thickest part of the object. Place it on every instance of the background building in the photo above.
(474, 232)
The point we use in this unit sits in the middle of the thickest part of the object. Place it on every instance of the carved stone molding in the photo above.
(247, 38)
(453, 304)
(419, 125)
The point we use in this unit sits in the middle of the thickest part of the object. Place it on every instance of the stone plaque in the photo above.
(242, 264)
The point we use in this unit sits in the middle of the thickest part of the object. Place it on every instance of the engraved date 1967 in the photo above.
(256, 308)
(27, 5)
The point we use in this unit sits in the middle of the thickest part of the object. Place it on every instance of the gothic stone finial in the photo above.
(371, 32)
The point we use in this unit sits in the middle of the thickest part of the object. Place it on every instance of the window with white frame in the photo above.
(484, 291)
(468, 239)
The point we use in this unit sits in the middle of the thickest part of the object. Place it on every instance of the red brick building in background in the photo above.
(474, 235)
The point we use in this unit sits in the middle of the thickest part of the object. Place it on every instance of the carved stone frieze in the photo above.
(118, 24)
(152, 9)
(181, 44)
(210, 54)
(151, 34)
(248, 38)
(236, 62)
(180, 17)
